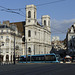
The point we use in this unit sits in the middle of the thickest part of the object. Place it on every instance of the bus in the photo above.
(41, 58)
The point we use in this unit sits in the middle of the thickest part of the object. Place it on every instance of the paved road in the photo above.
(38, 69)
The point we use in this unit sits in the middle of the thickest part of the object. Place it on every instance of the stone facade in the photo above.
(38, 37)
(71, 39)
(7, 33)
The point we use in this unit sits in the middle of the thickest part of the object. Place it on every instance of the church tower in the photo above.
(46, 21)
(31, 15)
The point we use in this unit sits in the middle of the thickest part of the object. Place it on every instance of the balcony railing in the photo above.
(19, 35)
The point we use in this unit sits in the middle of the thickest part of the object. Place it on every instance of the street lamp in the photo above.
(25, 46)
(14, 48)
(26, 50)
(1, 44)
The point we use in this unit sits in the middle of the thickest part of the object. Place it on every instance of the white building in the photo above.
(71, 39)
(38, 37)
(7, 33)
(55, 38)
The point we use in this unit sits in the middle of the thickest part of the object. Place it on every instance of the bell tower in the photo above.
(31, 15)
(46, 21)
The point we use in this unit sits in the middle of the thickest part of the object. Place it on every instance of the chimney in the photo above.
(6, 22)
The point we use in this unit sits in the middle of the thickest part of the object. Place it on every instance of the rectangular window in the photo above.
(1, 37)
(35, 32)
(7, 50)
(1, 31)
(50, 58)
(7, 36)
(7, 43)
(7, 31)
(1, 51)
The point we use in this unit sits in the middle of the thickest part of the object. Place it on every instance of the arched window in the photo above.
(44, 22)
(7, 57)
(29, 50)
(35, 32)
(34, 14)
(29, 14)
(29, 33)
(48, 22)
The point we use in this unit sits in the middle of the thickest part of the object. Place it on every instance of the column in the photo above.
(4, 59)
(9, 57)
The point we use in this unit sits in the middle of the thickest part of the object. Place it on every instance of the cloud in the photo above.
(39, 20)
(60, 27)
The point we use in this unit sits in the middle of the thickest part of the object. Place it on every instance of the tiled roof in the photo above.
(20, 26)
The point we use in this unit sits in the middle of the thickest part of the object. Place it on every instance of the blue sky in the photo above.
(62, 13)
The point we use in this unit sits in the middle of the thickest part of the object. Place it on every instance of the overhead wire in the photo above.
(57, 30)
(12, 12)
(19, 9)
(22, 14)
(50, 2)
(36, 5)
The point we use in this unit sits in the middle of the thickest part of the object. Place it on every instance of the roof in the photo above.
(20, 26)
(69, 30)
(4, 26)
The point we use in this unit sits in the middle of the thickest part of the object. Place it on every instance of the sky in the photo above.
(61, 12)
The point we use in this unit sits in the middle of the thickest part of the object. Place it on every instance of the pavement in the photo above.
(38, 69)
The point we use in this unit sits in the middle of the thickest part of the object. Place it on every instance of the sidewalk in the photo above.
(6, 63)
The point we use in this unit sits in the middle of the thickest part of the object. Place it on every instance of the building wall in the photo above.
(40, 39)
(7, 50)
(71, 39)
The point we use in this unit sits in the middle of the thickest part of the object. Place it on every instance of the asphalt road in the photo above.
(38, 69)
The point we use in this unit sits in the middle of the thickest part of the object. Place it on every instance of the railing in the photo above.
(19, 35)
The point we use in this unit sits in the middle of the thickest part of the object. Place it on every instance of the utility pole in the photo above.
(14, 48)
(26, 50)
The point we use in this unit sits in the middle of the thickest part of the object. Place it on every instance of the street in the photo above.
(38, 69)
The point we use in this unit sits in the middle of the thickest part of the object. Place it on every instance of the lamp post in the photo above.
(25, 46)
(26, 50)
(1, 44)
(14, 48)
(25, 40)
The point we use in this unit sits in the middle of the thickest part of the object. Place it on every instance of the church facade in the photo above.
(37, 37)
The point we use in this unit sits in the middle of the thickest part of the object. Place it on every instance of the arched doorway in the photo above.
(11, 58)
(1, 58)
(7, 58)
